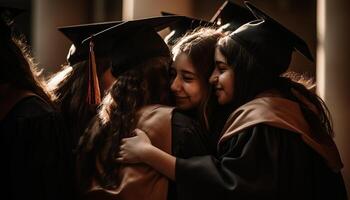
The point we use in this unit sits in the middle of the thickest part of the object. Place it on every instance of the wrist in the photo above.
(146, 152)
(160, 161)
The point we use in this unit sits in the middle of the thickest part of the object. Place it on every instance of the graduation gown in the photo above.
(35, 160)
(262, 159)
(138, 181)
(188, 139)
(170, 130)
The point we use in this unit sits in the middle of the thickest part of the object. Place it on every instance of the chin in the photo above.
(222, 100)
(182, 107)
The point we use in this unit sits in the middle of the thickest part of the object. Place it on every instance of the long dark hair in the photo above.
(251, 78)
(70, 89)
(142, 85)
(18, 68)
(199, 46)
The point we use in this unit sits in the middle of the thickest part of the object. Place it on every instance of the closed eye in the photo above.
(222, 67)
(188, 76)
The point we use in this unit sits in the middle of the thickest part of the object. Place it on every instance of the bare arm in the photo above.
(139, 149)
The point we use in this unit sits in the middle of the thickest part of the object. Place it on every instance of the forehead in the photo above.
(183, 62)
(219, 57)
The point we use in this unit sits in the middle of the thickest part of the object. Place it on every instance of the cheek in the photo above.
(227, 83)
(194, 91)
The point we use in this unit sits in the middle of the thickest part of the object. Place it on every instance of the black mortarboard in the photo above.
(230, 16)
(7, 15)
(132, 42)
(77, 33)
(270, 42)
(182, 26)
(122, 42)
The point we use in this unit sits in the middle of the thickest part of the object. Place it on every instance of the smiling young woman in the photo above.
(192, 65)
(223, 79)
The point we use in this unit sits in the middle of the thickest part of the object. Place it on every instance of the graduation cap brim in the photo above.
(230, 12)
(157, 23)
(182, 26)
(298, 43)
(77, 33)
(186, 23)
(163, 13)
(131, 42)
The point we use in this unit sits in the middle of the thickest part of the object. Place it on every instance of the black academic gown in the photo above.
(188, 139)
(261, 162)
(35, 158)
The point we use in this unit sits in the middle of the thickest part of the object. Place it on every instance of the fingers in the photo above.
(136, 131)
(120, 159)
(142, 135)
(140, 132)
(124, 140)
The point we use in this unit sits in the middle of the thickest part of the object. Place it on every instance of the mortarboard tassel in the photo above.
(94, 95)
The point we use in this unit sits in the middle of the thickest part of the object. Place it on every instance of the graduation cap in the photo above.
(77, 33)
(77, 53)
(182, 26)
(230, 16)
(270, 42)
(131, 42)
(7, 15)
(126, 44)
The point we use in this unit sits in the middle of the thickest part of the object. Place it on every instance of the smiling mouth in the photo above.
(218, 91)
(180, 97)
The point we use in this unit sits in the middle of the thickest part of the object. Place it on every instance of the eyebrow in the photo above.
(217, 62)
(188, 72)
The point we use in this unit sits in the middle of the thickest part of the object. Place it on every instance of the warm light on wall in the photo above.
(128, 9)
(321, 58)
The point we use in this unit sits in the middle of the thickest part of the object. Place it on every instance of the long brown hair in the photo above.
(199, 46)
(70, 89)
(142, 85)
(18, 68)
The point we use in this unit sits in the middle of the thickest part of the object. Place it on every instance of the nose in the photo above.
(175, 85)
(214, 77)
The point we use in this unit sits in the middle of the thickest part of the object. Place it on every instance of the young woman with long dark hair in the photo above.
(33, 135)
(141, 67)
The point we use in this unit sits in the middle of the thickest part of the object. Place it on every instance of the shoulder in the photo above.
(34, 114)
(155, 120)
(32, 119)
(154, 112)
(153, 117)
(31, 107)
(180, 118)
(262, 136)
(273, 111)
